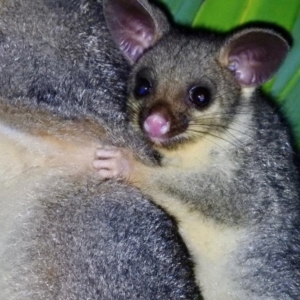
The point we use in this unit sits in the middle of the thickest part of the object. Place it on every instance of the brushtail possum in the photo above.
(225, 166)
(63, 235)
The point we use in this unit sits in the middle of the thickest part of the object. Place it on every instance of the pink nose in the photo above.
(156, 125)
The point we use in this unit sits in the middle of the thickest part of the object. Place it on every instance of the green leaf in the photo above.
(183, 12)
(187, 11)
(173, 5)
(219, 15)
(289, 74)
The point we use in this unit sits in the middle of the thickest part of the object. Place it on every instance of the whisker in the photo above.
(206, 134)
(205, 137)
(237, 141)
(231, 126)
(213, 116)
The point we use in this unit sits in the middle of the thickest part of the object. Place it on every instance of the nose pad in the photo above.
(156, 120)
(160, 122)
(156, 125)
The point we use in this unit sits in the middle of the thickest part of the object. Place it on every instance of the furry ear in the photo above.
(253, 55)
(135, 25)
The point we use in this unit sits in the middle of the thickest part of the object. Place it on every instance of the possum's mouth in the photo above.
(159, 140)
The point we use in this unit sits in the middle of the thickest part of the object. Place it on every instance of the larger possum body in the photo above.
(62, 234)
(226, 169)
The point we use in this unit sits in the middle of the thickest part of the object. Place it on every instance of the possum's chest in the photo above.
(212, 247)
(33, 162)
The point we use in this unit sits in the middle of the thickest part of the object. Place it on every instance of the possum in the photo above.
(64, 235)
(225, 167)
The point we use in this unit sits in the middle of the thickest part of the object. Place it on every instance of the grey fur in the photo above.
(98, 242)
(251, 187)
(79, 239)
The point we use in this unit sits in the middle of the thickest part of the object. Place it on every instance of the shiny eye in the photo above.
(200, 96)
(142, 87)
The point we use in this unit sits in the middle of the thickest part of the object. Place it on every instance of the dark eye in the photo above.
(142, 88)
(200, 96)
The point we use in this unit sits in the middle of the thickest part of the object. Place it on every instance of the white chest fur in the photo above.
(211, 246)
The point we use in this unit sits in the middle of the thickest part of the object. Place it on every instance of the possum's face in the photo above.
(179, 92)
(184, 87)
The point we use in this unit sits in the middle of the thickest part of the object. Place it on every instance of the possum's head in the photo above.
(185, 86)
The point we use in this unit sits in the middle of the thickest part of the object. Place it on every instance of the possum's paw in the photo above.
(113, 162)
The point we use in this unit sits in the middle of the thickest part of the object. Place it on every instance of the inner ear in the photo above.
(254, 55)
(131, 25)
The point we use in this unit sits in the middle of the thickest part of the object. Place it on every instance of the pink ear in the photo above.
(254, 55)
(131, 25)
